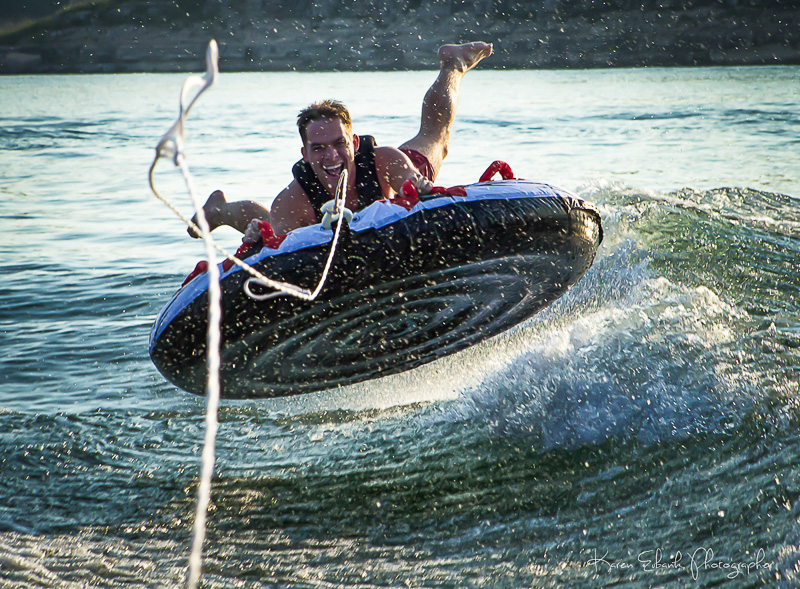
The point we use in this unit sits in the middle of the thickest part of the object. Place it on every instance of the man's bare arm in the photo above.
(291, 209)
(237, 214)
(394, 168)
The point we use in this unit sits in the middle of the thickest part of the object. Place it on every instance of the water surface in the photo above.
(642, 431)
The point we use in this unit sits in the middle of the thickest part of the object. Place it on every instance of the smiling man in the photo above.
(329, 147)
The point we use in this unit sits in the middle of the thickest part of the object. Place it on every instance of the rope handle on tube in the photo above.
(410, 193)
(497, 166)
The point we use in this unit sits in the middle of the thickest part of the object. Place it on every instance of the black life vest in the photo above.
(367, 184)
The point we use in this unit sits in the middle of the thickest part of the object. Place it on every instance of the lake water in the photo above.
(641, 431)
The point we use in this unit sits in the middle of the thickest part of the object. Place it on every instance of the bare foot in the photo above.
(464, 57)
(213, 208)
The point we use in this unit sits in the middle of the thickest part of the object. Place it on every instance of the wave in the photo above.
(664, 338)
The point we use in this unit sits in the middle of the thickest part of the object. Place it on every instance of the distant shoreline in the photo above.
(92, 41)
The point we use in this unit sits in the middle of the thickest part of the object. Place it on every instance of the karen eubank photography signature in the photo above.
(695, 562)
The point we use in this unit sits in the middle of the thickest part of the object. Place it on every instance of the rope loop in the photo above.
(290, 289)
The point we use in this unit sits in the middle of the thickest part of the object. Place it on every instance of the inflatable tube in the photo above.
(406, 287)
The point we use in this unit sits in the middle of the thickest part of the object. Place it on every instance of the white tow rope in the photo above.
(170, 147)
(337, 204)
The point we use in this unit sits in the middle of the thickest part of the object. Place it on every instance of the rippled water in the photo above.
(641, 431)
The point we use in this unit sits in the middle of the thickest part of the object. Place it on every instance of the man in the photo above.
(329, 147)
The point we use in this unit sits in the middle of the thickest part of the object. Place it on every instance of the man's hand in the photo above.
(422, 185)
(253, 232)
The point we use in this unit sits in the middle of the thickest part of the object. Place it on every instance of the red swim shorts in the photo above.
(420, 162)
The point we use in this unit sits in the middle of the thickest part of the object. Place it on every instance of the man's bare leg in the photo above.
(439, 105)
(237, 214)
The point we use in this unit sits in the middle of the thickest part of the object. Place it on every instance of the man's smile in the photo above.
(334, 170)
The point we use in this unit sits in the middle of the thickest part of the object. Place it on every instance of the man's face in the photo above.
(329, 149)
